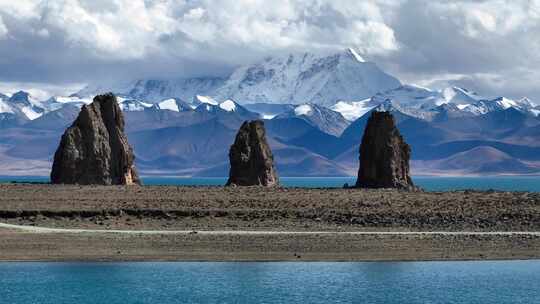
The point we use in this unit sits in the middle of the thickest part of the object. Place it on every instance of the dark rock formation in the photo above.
(95, 150)
(252, 162)
(384, 155)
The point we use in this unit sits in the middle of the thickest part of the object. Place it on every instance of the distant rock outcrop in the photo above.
(252, 162)
(95, 150)
(384, 155)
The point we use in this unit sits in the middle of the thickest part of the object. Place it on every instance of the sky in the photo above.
(57, 46)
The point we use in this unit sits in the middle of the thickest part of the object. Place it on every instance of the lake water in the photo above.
(164, 283)
(430, 183)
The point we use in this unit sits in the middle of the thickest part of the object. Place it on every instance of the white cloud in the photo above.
(23, 9)
(3, 29)
(138, 28)
(417, 40)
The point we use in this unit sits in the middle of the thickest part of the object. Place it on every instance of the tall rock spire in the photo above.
(384, 155)
(252, 162)
(95, 150)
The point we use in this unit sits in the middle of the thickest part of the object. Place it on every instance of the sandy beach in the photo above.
(58, 223)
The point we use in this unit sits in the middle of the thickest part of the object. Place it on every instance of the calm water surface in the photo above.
(164, 283)
(504, 183)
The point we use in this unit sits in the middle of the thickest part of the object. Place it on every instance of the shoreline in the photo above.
(175, 223)
(233, 247)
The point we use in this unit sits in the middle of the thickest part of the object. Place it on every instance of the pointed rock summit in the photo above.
(384, 155)
(252, 162)
(95, 150)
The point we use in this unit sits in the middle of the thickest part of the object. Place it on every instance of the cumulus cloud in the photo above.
(77, 41)
(471, 38)
(128, 29)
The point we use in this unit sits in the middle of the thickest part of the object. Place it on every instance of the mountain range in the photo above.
(315, 107)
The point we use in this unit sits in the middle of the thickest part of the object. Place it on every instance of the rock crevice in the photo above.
(384, 155)
(94, 149)
(251, 159)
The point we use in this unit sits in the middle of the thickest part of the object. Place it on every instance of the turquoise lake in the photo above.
(164, 283)
(503, 183)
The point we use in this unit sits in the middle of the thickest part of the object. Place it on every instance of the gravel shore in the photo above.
(170, 208)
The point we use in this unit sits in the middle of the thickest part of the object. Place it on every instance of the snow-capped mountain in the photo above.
(293, 79)
(132, 105)
(426, 104)
(314, 108)
(185, 89)
(154, 91)
(24, 106)
(324, 119)
(23, 102)
(207, 104)
(307, 77)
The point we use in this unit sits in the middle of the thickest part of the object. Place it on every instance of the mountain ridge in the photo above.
(184, 127)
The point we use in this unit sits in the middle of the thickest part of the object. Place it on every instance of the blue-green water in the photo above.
(164, 283)
(430, 183)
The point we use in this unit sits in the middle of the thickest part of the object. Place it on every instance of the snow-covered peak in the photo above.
(526, 102)
(228, 105)
(23, 102)
(131, 105)
(169, 104)
(31, 113)
(323, 118)
(460, 96)
(304, 109)
(409, 96)
(155, 90)
(424, 103)
(306, 77)
(70, 99)
(505, 102)
(205, 99)
(22, 98)
(352, 110)
(295, 78)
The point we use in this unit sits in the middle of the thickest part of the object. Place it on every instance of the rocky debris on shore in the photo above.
(384, 155)
(252, 162)
(95, 150)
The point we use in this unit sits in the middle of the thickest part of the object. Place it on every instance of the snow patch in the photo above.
(133, 105)
(303, 110)
(4, 108)
(207, 99)
(228, 105)
(506, 103)
(31, 114)
(353, 110)
(72, 99)
(268, 116)
(169, 104)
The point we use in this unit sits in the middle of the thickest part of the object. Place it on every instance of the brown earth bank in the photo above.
(318, 211)
(259, 208)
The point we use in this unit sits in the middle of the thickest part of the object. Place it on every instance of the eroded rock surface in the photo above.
(384, 155)
(252, 162)
(95, 150)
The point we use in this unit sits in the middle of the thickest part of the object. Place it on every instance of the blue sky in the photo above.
(488, 46)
